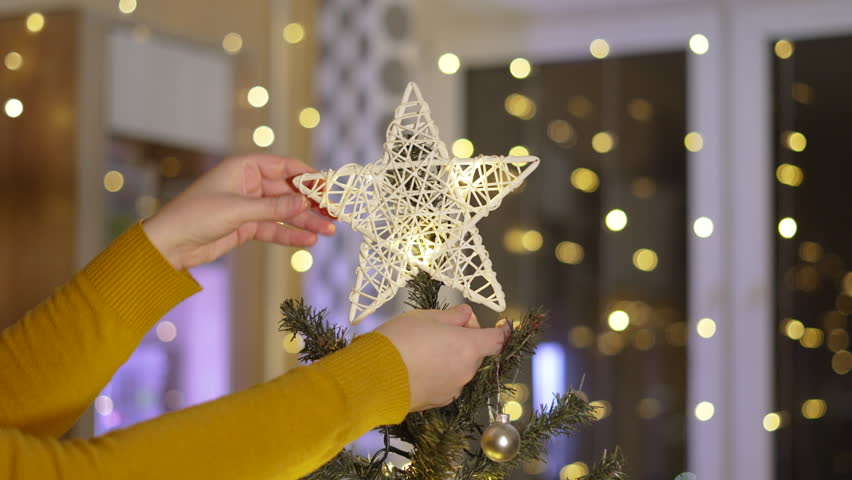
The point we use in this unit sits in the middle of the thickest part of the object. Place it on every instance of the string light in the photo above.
(560, 131)
(602, 408)
(616, 220)
(127, 6)
(581, 336)
(610, 343)
(13, 60)
(293, 343)
(618, 320)
(293, 33)
(573, 471)
(706, 327)
(599, 48)
(569, 252)
(703, 227)
(643, 188)
(257, 96)
(784, 49)
(704, 411)
(113, 181)
(520, 106)
(787, 227)
(645, 259)
(585, 180)
(301, 261)
(532, 240)
(693, 141)
(814, 408)
(232, 43)
(771, 422)
(462, 148)
(841, 362)
(263, 136)
(35, 22)
(514, 409)
(790, 175)
(166, 331)
(580, 106)
(520, 68)
(812, 338)
(640, 110)
(699, 44)
(795, 141)
(794, 329)
(309, 117)
(14, 108)
(603, 142)
(449, 63)
(519, 151)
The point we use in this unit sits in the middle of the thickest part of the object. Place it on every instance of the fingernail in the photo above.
(500, 323)
(331, 228)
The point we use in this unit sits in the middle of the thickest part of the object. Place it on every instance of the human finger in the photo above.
(489, 341)
(275, 232)
(458, 315)
(472, 322)
(250, 209)
(312, 222)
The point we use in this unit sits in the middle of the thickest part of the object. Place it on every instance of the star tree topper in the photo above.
(417, 209)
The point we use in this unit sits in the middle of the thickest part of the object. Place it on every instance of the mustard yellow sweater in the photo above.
(55, 360)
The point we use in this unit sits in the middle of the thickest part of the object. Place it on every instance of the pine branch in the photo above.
(423, 293)
(345, 466)
(439, 449)
(609, 467)
(321, 338)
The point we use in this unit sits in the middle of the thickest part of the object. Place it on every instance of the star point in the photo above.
(417, 209)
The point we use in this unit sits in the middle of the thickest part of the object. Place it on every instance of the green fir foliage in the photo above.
(445, 440)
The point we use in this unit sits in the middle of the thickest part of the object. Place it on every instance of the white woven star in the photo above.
(417, 208)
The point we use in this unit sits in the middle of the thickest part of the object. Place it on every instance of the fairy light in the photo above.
(257, 96)
(293, 33)
(618, 320)
(703, 227)
(301, 261)
(520, 68)
(704, 411)
(599, 48)
(449, 63)
(309, 117)
(616, 220)
(699, 44)
(462, 148)
(35, 22)
(232, 43)
(263, 136)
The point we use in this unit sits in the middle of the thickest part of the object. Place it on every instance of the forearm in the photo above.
(55, 360)
(285, 428)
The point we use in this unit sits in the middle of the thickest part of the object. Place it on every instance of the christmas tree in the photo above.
(417, 209)
(446, 442)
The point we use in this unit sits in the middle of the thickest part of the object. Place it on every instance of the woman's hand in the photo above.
(442, 350)
(241, 199)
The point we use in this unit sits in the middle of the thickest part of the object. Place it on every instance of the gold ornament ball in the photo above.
(501, 440)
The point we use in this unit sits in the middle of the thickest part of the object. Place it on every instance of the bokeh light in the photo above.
(520, 68)
(309, 117)
(301, 260)
(841, 362)
(645, 259)
(449, 63)
(293, 343)
(127, 6)
(618, 320)
(706, 328)
(699, 44)
(616, 220)
(13, 60)
(704, 411)
(794, 329)
(703, 227)
(795, 141)
(293, 33)
(585, 180)
(531, 240)
(257, 96)
(13, 108)
(693, 141)
(603, 142)
(784, 49)
(599, 48)
(232, 43)
(263, 136)
(771, 422)
(462, 148)
(166, 331)
(514, 409)
(35, 22)
(113, 181)
(573, 471)
(790, 175)
(640, 110)
(520, 106)
(519, 151)
(787, 227)
(569, 252)
(814, 408)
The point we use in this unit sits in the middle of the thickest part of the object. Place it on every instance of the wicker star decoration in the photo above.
(417, 209)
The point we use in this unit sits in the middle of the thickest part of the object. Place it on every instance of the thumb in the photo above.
(458, 315)
(271, 209)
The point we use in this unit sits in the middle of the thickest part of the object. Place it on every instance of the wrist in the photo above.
(158, 235)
